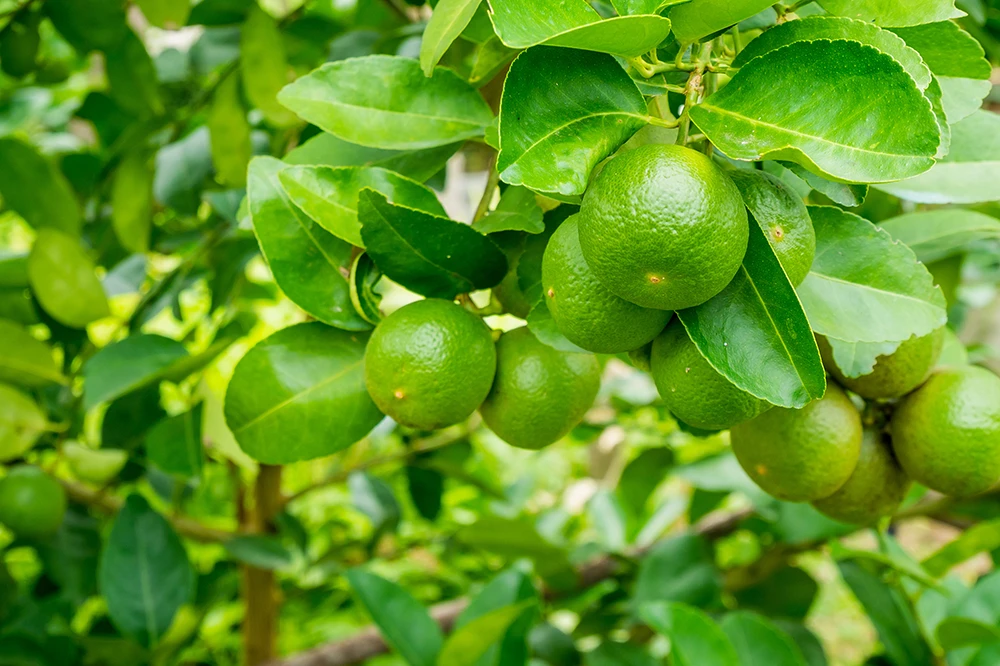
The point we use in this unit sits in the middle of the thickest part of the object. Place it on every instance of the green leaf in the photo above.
(364, 276)
(132, 77)
(473, 640)
(387, 102)
(760, 643)
(563, 112)
(939, 234)
(894, 302)
(543, 326)
(489, 59)
(26, 360)
(34, 188)
(264, 66)
(518, 210)
(262, 551)
(99, 466)
(330, 195)
(426, 488)
(300, 394)
(575, 24)
(759, 313)
(981, 537)
(610, 653)
(700, 18)
(89, 24)
(968, 174)
(509, 588)
(514, 538)
(374, 497)
(309, 264)
(145, 576)
(789, 592)
(695, 640)
(174, 445)
(449, 19)
(843, 194)
(433, 256)
(403, 622)
(21, 423)
(165, 13)
(127, 365)
(626, 7)
(64, 280)
(894, 13)
(327, 150)
(679, 569)
(132, 202)
(181, 170)
(229, 131)
(849, 133)
(856, 359)
(958, 632)
(608, 519)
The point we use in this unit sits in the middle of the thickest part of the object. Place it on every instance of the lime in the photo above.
(876, 488)
(802, 455)
(663, 227)
(540, 393)
(32, 503)
(894, 374)
(584, 310)
(946, 434)
(430, 364)
(694, 391)
(21, 423)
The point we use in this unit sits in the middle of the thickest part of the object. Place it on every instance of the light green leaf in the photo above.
(330, 195)
(518, 210)
(127, 365)
(165, 13)
(608, 519)
(264, 66)
(939, 234)
(562, 113)
(21, 423)
(700, 18)
(387, 102)
(759, 643)
(613, 653)
(489, 59)
(575, 24)
(132, 202)
(63, 279)
(850, 133)
(626, 7)
(263, 551)
(958, 632)
(26, 360)
(856, 359)
(970, 172)
(962, 97)
(309, 264)
(473, 640)
(94, 465)
(894, 13)
(510, 587)
(894, 301)
(174, 445)
(980, 538)
(34, 188)
(760, 314)
(843, 194)
(449, 19)
(695, 640)
(374, 497)
(300, 394)
(327, 150)
(229, 132)
(364, 276)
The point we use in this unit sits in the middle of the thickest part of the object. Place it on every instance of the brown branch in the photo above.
(260, 625)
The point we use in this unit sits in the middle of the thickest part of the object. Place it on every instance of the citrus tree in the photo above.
(499, 332)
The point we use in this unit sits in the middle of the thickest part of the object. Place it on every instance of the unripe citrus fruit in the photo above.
(894, 374)
(802, 455)
(430, 364)
(876, 488)
(32, 503)
(21, 423)
(585, 311)
(946, 434)
(663, 227)
(694, 391)
(539, 393)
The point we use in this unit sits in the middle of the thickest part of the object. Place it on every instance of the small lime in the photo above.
(32, 503)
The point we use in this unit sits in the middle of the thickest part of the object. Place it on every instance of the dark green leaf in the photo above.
(264, 66)
(788, 592)
(473, 640)
(426, 487)
(132, 77)
(510, 587)
(553, 646)
(939, 234)
(811, 647)
(699, 18)
(174, 445)
(518, 210)
(894, 13)
(261, 551)
(72, 556)
(449, 19)
(680, 569)
(25, 360)
(129, 418)
(374, 497)
(35, 189)
(89, 24)
(695, 640)
(642, 476)
(64, 281)
(760, 643)
(127, 365)
(181, 170)
(516, 538)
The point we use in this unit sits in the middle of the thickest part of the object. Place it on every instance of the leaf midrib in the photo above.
(894, 294)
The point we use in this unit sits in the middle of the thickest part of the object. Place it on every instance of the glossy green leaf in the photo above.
(330, 195)
(387, 102)
(401, 619)
(145, 576)
(229, 131)
(174, 445)
(856, 359)
(939, 234)
(127, 365)
(843, 194)
(21, 423)
(264, 66)
(518, 210)
(132, 202)
(848, 134)
(89, 24)
(695, 640)
(563, 112)
(968, 174)
(679, 569)
(700, 18)
(300, 394)
(165, 13)
(894, 13)
(327, 150)
(759, 643)
(25, 360)
(309, 264)
(449, 19)
(33, 187)
(760, 311)
(433, 256)
(893, 302)
(575, 24)
(982, 537)
(473, 640)
(364, 276)
(63, 280)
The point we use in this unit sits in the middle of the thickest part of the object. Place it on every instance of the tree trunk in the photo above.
(260, 625)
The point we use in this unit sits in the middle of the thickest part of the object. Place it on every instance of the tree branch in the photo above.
(260, 625)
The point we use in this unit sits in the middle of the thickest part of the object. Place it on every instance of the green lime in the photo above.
(585, 311)
(802, 455)
(21, 423)
(876, 488)
(430, 364)
(694, 391)
(663, 227)
(946, 434)
(895, 374)
(32, 503)
(540, 393)
(19, 43)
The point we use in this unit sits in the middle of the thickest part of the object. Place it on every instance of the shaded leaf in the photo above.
(959, 632)
(89, 24)
(26, 360)
(181, 170)
(174, 445)
(518, 210)
(374, 497)
(508, 588)
(514, 538)
(695, 640)
(759, 643)
(939, 234)
(471, 641)
(262, 551)
(64, 280)
(327, 150)
(610, 653)
(426, 488)
(33, 187)
(229, 131)
(788, 592)
(127, 365)
(132, 77)
(856, 359)
(843, 194)
(543, 326)
(132, 202)
(679, 569)
(264, 66)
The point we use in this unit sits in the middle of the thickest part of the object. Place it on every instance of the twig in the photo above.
(492, 182)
